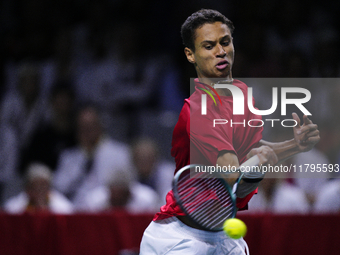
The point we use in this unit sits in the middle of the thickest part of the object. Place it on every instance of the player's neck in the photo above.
(213, 81)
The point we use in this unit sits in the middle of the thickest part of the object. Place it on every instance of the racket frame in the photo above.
(178, 200)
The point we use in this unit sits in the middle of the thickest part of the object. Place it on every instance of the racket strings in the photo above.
(214, 214)
(188, 189)
(198, 209)
(185, 190)
(190, 180)
(212, 217)
(206, 200)
(218, 219)
(191, 195)
(202, 196)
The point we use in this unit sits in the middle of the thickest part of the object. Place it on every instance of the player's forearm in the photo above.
(250, 181)
(283, 150)
(228, 159)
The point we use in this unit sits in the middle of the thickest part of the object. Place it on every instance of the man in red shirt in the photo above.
(207, 36)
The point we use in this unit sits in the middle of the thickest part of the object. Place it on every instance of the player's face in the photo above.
(214, 51)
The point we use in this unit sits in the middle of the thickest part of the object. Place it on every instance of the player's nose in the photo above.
(220, 51)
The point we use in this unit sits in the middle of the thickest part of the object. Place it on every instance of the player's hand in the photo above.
(305, 135)
(266, 155)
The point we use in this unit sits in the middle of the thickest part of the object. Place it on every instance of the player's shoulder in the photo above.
(186, 107)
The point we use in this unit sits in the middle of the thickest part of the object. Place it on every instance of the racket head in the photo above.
(207, 202)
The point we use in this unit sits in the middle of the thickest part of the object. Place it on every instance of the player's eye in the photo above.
(225, 43)
(208, 47)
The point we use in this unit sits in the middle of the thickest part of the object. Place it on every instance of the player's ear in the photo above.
(190, 55)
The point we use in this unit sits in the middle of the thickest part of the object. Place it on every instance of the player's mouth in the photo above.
(222, 65)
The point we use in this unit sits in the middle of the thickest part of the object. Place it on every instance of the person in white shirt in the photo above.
(91, 163)
(122, 192)
(24, 108)
(308, 180)
(328, 198)
(278, 196)
(151, 169)
(38, 194)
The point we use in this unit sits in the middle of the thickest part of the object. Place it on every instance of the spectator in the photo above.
(278, 196)
(95, 158)
(23, 109)
(120, 78)
(122, 193)
(328, 198)
(308, 180)
(151, 169)
(38, 194)
(9, 179)
(57, 133)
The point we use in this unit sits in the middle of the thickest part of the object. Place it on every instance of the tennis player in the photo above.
(207, 36)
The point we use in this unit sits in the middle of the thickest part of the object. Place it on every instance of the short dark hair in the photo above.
(197, 20)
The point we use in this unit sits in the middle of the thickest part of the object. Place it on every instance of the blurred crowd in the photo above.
(90, 92)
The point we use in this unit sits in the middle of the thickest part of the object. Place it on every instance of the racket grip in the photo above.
(250, 177)
(253, 161)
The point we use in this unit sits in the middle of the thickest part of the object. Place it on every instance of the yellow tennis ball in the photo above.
(235, 228)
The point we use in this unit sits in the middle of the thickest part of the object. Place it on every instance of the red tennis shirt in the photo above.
(195, 140)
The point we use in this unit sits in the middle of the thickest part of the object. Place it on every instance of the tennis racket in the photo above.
(208, 202)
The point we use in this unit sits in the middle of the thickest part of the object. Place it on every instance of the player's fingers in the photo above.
(312, 133)
(306, 120)
(267, 155)
(297, 119)
(252, 152)
(307, 136)
(312, 140)
(308, 128)
(267, 159)
(262, 159)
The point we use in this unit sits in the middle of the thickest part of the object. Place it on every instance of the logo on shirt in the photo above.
(204, 97)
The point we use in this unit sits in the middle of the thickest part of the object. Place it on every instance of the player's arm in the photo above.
(228, 159)
(305, 137)
(250, 181)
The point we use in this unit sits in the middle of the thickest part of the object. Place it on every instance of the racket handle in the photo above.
(251, 178)
(253, 161)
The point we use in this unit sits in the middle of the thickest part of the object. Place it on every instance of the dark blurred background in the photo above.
(66, 39)
(78, 77)
(126, 58)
